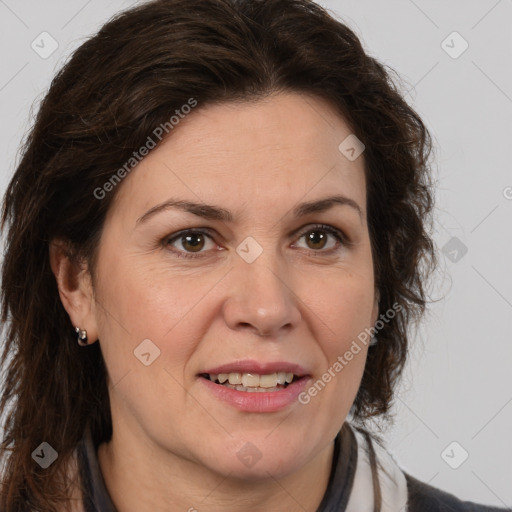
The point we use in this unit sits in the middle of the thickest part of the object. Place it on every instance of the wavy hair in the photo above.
(119, 85)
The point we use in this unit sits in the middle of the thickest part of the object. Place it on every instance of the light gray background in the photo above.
(457, 385)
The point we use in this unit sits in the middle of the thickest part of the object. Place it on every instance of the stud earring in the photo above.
(81, 336)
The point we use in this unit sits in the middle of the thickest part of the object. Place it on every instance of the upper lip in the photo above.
(259, 368)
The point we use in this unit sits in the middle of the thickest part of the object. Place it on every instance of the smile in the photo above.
(250, 386)
(251, 382)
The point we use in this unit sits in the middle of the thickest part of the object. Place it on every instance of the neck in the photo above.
(142, 479)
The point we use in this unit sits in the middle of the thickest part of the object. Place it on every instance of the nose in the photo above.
(261, 300)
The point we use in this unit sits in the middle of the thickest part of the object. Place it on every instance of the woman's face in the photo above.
(171, 307)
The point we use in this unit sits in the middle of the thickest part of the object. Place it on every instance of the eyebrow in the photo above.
(213, 212)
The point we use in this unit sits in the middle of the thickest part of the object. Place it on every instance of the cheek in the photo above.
(343, 310)
(135, 295)
(344, 304)
(139, 301)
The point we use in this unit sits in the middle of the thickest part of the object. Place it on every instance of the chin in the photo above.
(262, 470)
(253, 460)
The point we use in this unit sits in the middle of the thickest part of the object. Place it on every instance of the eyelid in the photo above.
(338, 234)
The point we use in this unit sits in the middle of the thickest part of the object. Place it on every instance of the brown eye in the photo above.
(191, 242)
(194, 242)
(316, 239)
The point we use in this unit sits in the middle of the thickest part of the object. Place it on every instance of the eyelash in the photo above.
(336, 233)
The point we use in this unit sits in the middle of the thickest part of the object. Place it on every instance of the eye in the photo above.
(316, 238)
(193, 241)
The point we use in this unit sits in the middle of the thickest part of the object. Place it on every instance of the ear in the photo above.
(75, 288)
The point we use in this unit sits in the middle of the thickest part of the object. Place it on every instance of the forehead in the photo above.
(294, 125)
(278, 150)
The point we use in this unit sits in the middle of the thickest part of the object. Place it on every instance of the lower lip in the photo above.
(263, 401)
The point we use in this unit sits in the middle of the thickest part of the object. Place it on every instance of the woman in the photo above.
(217, 240)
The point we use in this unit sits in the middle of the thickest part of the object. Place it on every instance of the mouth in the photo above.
(253, 386)
(253, 382)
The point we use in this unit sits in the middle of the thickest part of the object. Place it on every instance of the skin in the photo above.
(173, 441)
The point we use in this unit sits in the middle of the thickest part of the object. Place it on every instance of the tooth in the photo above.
(268, 381)
(281, 377)
(253, 380)
(250, 379)
(235, 378)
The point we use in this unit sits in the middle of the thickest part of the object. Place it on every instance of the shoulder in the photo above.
(425, 498)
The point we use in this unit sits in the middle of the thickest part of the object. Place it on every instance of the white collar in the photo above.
(393, 484)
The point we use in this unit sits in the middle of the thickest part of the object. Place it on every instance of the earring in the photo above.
(81, 336)
(373, 341)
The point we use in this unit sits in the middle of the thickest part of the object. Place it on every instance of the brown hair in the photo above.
(102, 105)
